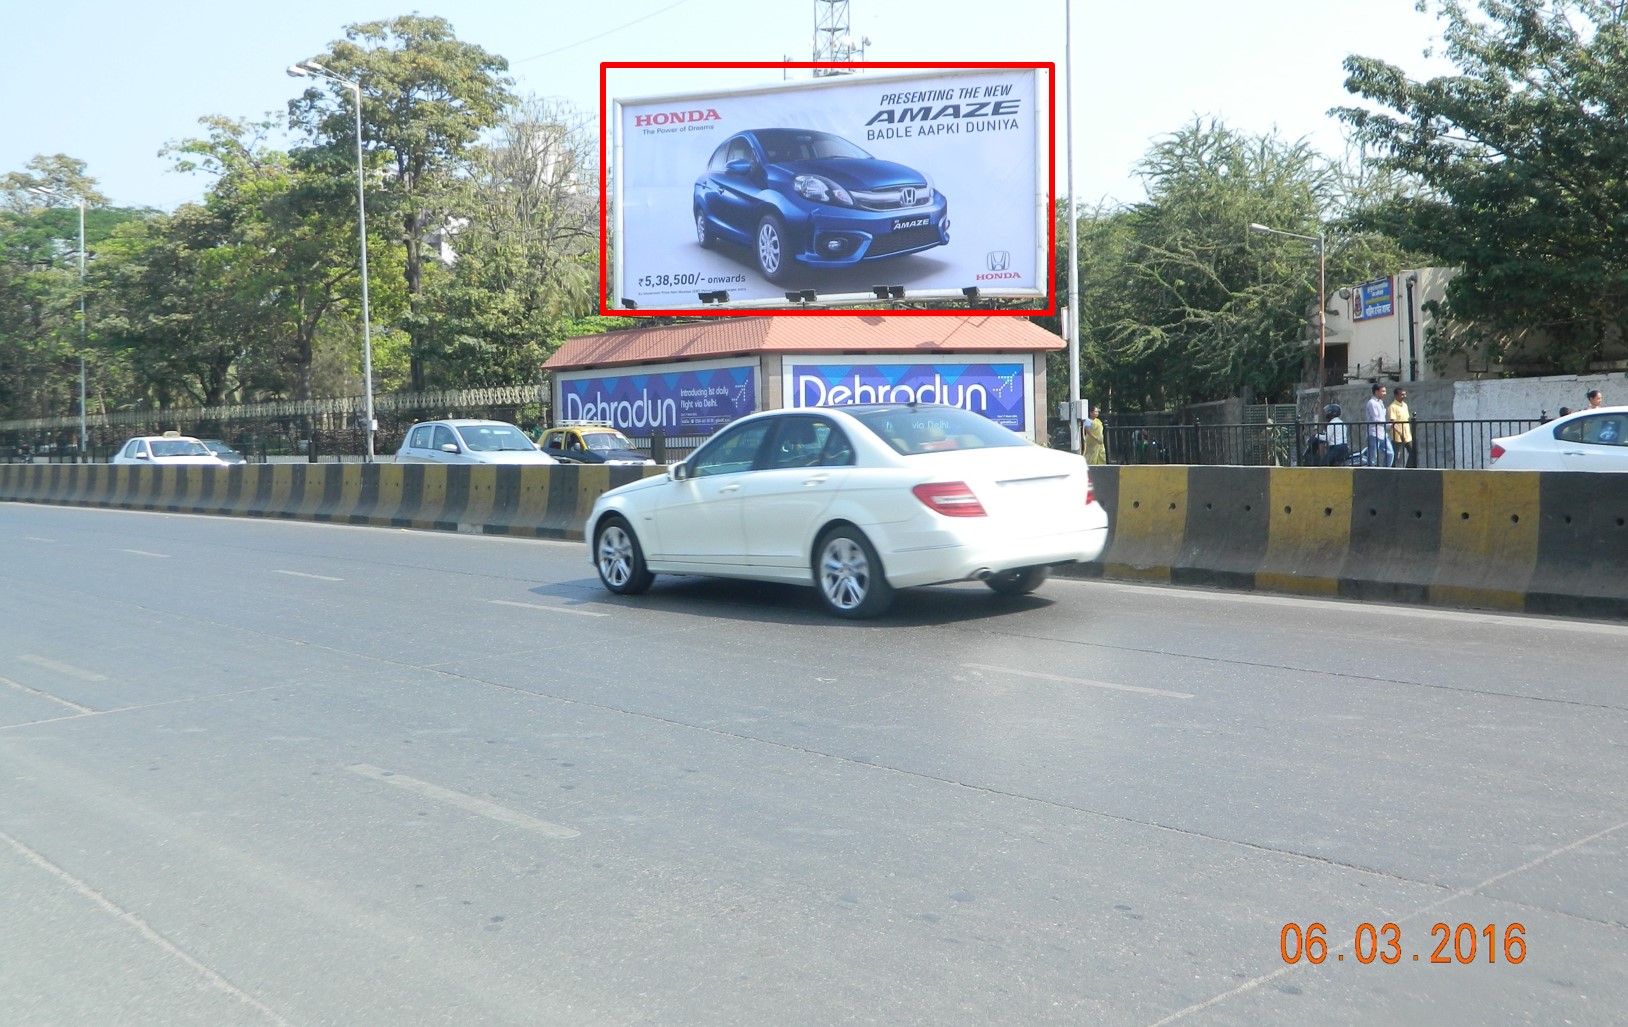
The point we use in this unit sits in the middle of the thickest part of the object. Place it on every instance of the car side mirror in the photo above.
(680, 470)
(739, 167)
(141, 456)
(449, 448)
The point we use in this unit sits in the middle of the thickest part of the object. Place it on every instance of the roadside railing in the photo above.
(1449, 444)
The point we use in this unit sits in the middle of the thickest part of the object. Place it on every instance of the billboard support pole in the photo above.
(1073, 326)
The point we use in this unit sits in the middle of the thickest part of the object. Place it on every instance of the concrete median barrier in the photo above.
(536, 502)
(1538, 542)
(1554, 543)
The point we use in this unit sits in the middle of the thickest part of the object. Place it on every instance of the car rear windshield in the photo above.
(912, 431)
(179, 447)
(494, 438)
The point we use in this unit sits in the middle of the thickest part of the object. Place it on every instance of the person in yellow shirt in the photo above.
(1096, 446)
(1401, 423)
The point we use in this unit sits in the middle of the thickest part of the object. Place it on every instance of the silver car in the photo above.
(469, 442)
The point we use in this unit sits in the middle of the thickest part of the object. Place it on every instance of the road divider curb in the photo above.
(1531, 541)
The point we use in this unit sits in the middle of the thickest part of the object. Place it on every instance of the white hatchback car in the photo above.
(1588, 440)
(170, 448)
(469, 442)
(857, 501)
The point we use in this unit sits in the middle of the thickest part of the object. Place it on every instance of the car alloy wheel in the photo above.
(1019, 581)
(620, 560)
(771, 247)
(703, 232)
(849, 575)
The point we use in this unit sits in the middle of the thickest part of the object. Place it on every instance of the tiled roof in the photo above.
(749, 336)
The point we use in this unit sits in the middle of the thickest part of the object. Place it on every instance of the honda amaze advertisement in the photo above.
(824, 192)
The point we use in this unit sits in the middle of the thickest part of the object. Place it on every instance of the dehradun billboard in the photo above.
(820, 193)
(684, 399)
(999, 387)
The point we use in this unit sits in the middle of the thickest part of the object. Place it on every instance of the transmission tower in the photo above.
(833, 42)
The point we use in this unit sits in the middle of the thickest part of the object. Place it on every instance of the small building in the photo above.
(688, 380)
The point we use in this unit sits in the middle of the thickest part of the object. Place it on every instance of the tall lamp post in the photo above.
(309, 68)
(84, 435)
(1322, 301)
(1075, 442)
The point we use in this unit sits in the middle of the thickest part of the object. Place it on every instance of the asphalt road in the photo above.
(277, 773)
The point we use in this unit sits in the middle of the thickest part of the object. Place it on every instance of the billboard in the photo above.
(815, 193)
(1374, 299)
(999, 387)
(690, 399)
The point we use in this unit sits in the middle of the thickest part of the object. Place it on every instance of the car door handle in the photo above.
(1573, 452)
(729, 488)
(818, 479)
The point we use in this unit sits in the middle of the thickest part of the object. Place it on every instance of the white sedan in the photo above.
(1588, 440)
(169, 448)
(857, 501)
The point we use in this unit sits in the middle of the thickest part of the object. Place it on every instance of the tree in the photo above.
(426, 97)
(1520, 161)
(41, 338)
(62, 177)
(290, 221)
(525, 250)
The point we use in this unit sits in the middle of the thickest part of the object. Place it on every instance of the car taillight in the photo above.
(1090, 492)
(950, 498)
(1497, 451)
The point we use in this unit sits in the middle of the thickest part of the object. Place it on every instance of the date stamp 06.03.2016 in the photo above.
(1460, 944)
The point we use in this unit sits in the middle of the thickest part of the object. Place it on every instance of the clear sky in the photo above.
(111, 82)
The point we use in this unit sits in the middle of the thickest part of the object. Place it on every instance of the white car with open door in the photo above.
(857, 501)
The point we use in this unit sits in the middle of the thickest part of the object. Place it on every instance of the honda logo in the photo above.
(907, 196)
(998, 260)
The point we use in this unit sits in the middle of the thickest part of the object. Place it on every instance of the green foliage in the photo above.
(1180, 302)
(426, 98)
(1519, 159)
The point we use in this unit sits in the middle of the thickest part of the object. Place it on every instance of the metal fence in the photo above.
(1464, 445)
(322, 430)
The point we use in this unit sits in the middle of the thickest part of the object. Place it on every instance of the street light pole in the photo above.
(1321, 240)
(307, 68)
(1075, 442)
(84, 435)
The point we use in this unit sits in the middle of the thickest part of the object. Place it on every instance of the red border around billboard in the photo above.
(604, 191)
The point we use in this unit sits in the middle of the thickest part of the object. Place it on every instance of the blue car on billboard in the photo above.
(800, 197)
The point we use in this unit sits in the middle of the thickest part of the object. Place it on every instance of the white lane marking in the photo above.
(62, 668)
(1138, 689)
(1462, 893)
(144, 928)
(547, 609)
(464, 802)
(36, 538)
(302, 574)
(45, 695)
(143, 552)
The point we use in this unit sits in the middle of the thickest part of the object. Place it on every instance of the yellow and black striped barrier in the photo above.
(538, 502)
(1538, 542)
(1507, 540)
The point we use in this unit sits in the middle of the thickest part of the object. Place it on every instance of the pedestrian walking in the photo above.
(1096, 446)
(1379, 452)
(1594, 398)
(1401, 418)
